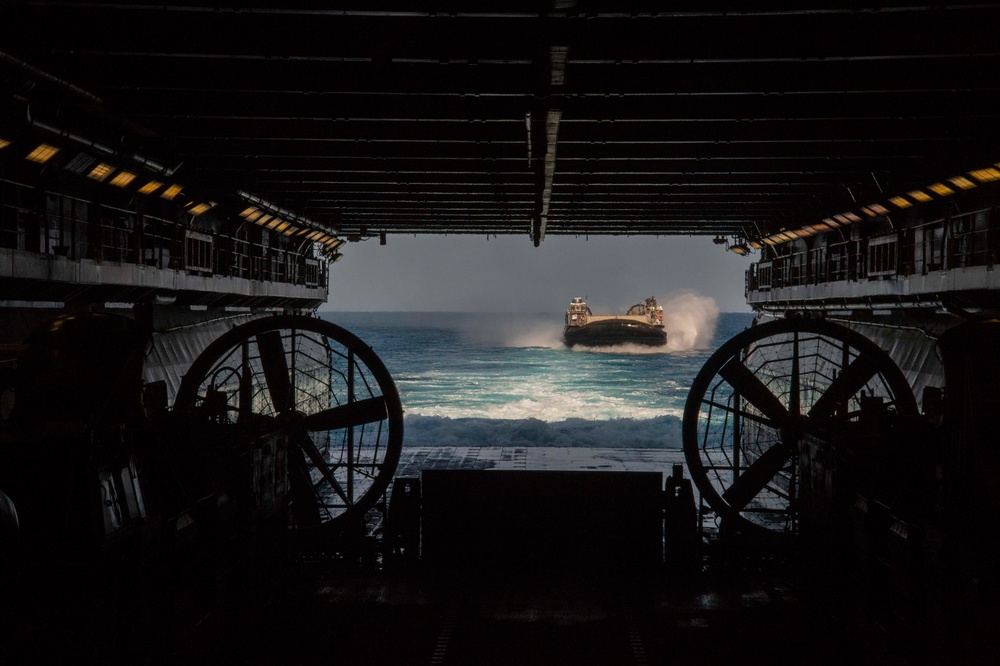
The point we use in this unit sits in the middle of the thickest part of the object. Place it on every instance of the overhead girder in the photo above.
(640, 115)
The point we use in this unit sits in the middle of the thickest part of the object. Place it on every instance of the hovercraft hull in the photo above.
(610, 333)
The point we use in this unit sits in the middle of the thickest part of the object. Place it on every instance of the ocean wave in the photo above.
(661, 432)
(551, 407)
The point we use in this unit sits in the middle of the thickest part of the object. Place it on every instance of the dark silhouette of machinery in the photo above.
(286, 424)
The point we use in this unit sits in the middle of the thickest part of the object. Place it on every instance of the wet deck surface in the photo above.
(240, 608)
(537, 458)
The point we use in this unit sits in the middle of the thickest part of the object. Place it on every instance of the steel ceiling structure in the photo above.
(516, 117)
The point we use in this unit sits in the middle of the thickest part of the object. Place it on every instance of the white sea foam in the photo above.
(550, 408)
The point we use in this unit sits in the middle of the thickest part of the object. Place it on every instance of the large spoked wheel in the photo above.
(321, 389)
(759, 395)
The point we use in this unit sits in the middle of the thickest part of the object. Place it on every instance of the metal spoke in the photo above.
(757, 476)
(850, 381)
(753, 391)
(304, 441)
(275, 366)
(355, 413)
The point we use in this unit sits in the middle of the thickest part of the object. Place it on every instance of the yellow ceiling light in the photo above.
(292, 230)
(4, 143)
(275, 222)
(771, 240)
(985, 175)
(171, 192)
(281, 226)
(867, 210)
(843, 219)
(101, 171)
(150, 187)
(900, 202)
(122, 178)
(248, 211)
(830, 222)
(42, 154)
(853, 217)
(962, 182)
(263, 219)
(198, 209)
(941, 189)
(880, 209)
(756, 245)
(919, 195)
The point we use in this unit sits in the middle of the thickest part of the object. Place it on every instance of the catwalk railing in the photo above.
(962, 241)
(50, 223)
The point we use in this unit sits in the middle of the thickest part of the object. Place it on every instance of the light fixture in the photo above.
(740, 249)
(101, 171)
(122, 178)
(985, 175)
(171, 192)
(263, 219)
(919, 195)
(42, 154)
(4, 143)
(880, 209)
(843, 219)
(150, 187)
(900, 202)
(962, 182)
(830, 222)
(198, 209)
(941, 189)
(248, 211)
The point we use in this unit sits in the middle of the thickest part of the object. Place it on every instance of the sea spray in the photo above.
(689, 319)
(514, 330)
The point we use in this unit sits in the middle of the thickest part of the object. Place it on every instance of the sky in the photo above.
(465, 273)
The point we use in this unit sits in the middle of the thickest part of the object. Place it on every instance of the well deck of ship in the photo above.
(318, 608)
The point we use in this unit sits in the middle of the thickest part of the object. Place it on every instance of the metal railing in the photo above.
(74, 228)
(971, 239)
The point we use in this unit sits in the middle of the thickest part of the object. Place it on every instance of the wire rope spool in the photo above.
(764, 391)
(321, 389)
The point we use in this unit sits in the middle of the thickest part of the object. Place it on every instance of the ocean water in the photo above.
(488, 379)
